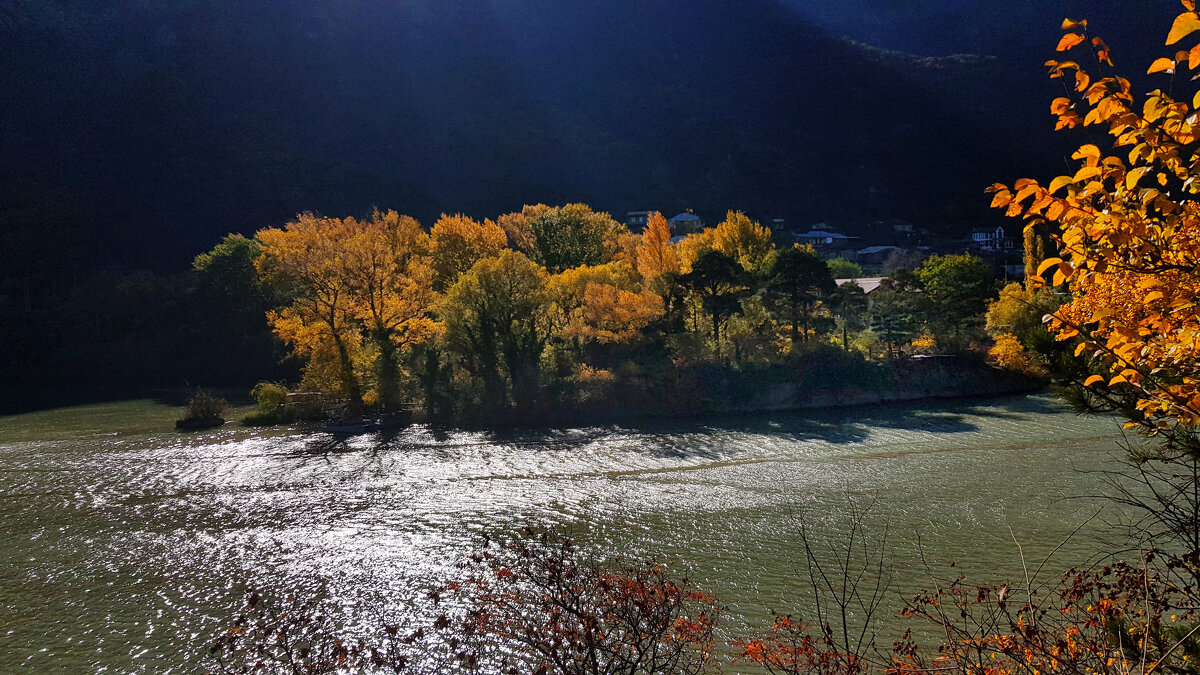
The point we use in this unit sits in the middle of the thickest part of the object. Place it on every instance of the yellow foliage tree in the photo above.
(693, 246)
(304, 257)
(1129, 240)
(357, 287)
(516, 226)
(1008, 354)
(391, 290)
(746, 241)
(656, 255)
(458, 242)
(498, 318)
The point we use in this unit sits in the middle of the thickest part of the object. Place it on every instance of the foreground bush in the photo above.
(532, 604)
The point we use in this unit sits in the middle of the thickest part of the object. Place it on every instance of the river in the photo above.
(124, 546)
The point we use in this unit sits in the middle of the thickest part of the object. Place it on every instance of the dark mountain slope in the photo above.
(168, 124)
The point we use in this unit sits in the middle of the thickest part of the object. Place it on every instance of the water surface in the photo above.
(124, 546)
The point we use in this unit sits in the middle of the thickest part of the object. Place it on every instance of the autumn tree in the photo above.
(1019, 311)
(657, 256)
(457, 242)
(305, 258)
(1126, 226)
(498, 318)
(1127, 223)
(603, 304)
(517, 228)
(799, 279)
(745, 241)
(692, 246)
(386, 260)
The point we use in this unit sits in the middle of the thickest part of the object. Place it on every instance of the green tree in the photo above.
(498, 318)
(720, 283)
(955, 289)
(840, 268)
(849, 303)
(798, 281)
(894, 311)
(229, 339)
(570, 236)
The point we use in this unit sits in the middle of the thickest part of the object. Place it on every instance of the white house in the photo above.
(988, 238)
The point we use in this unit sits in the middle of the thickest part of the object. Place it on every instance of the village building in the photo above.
(992, 239)
(686, 223)
(636, 220)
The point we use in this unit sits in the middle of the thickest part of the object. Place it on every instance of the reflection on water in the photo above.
(125, 546)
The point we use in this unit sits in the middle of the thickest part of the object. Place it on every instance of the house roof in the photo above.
(877, 249)
(868, 284)
(686, 216)
(822, 234)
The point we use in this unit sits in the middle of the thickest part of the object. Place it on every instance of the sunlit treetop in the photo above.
(1128, 220)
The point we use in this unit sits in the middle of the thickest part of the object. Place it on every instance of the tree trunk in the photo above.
(389, 371)
(351, 388)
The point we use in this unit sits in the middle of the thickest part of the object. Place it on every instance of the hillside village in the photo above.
(878, 248)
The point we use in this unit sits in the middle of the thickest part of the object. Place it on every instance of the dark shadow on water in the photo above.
(714, 436)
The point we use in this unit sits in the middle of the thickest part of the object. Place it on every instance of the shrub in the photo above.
(269, 395)
(205, 406)
(1008, 354)
(533, 604)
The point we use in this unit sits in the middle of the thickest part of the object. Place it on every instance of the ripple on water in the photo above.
(126, 549)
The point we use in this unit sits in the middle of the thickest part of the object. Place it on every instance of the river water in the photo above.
(124, 546)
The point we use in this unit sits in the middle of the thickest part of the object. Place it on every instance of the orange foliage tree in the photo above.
(305, 258)
(1129, 225)
(353, 284)
(657, 256)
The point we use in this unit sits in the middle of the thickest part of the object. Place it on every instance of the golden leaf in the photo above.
(1185, 24)
(1163, 65)
(1058, 183)
(1047, 264)
(1132, 178)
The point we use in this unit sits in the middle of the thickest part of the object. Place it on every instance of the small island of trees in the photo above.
(561, 313)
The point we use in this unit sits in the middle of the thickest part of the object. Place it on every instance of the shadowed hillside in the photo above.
(172, 124)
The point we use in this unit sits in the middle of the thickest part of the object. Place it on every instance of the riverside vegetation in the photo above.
(556, 314)
(1121, 234)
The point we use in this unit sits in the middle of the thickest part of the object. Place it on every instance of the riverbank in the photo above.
(827, 379)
